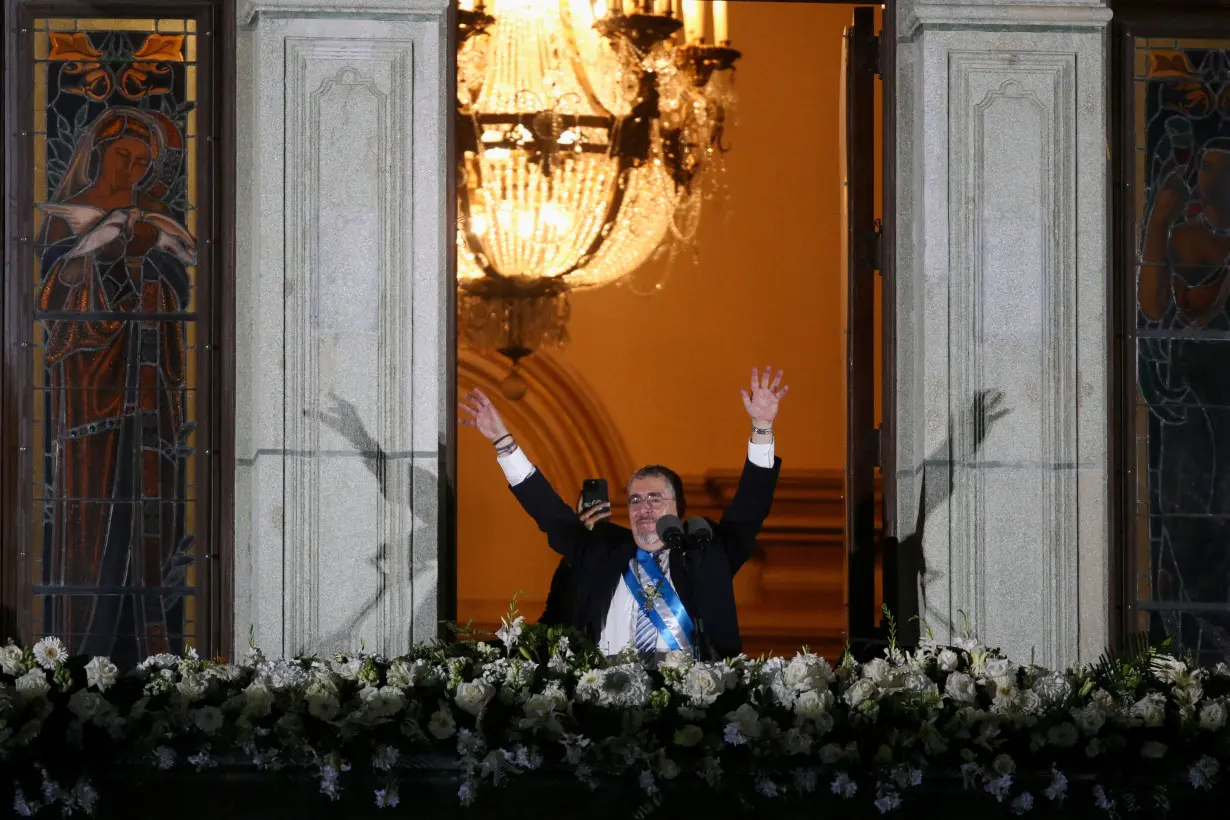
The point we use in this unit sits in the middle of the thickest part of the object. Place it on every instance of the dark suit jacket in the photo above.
(594, 562)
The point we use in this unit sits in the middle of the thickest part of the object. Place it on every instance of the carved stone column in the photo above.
(342, 306)
(1001, 263)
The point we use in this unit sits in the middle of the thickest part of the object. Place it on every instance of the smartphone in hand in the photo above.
(593, 492)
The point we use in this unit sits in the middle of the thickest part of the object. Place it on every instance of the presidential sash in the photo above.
(657, 599)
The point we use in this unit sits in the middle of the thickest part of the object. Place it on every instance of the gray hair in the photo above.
(673, 482)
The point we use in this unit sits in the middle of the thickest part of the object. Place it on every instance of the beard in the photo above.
(645, 531)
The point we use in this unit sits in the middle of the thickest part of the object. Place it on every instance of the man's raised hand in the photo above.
(762, 400)
(483, 415)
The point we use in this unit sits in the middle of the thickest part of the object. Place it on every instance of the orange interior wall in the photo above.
(765, 289)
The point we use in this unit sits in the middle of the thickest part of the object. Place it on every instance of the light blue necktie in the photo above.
(646, 638)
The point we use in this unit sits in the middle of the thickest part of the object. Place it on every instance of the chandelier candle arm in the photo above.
(693, 22)
(721, 23)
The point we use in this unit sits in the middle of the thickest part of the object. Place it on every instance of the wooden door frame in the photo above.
(448, 546)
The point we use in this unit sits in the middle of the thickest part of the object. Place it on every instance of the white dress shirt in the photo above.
(620, 629)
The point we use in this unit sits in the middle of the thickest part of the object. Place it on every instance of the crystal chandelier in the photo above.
(583, 136)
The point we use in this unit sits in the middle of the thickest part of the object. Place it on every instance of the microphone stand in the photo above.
(690, 559)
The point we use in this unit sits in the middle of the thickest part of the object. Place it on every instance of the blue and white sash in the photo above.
(657, 598)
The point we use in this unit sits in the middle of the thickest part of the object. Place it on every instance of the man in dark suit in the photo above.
(624, 586)
(562, 595)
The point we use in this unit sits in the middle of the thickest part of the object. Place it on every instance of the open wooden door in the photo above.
(862, 321)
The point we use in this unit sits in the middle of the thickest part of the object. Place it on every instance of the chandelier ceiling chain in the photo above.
(584, 134)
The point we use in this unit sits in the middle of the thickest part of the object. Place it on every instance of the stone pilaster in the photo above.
(1001, 265)
(342, 294)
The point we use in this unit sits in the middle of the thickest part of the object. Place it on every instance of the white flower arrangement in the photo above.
(1144, 729)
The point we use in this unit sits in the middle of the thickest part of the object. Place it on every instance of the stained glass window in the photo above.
(113, 564)
(1181, 553)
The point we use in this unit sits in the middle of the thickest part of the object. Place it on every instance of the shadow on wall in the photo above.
(939, 472)
(343, 418)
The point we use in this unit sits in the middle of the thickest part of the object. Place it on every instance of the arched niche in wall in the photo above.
(560, 423)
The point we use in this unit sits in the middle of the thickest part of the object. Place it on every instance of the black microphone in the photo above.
(670, 530)
(700, 532)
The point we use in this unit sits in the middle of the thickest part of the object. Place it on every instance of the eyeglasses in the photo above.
(652, 500)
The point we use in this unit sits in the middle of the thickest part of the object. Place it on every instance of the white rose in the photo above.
(85, 704)
(813, 703)
(33, 684)
(442, 726)
(948, 660)
(1212, 715)
(1089, 718)
(747, 719)
(257, 700)
(12, 660)
(797, 742)
(1063, 735)
(861, 691)
(1105, 701)
(1151, 709)
(191, 686)
(100, 673)
(538, 707)
(960, 687)
(689, 736)
(668, 769)
(1152, 750)
(348, 669)
(703, 684)
(208, 719)
(876, 669)
(676, 659)
(999, 670)
(1029, 702)
(473, 696)
(807, 672)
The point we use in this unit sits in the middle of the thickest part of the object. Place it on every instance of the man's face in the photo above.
(648, 500)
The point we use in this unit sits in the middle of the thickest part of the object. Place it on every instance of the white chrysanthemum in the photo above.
(49, 653)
